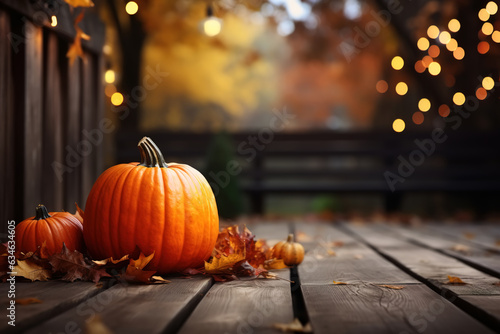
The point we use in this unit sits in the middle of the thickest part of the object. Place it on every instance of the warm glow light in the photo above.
(444, 37)
(454, 25)
(427, 60)
(117, 99)
(398, 125)
(212, 26)
(496, 36)
(434, 68)
(131, 7)
(109, 90)
(401, 88)
(488, 83)
(424, 105)
(483, 15)
(481, 93)
(452, 45)
(417, 118)
(381, 86)
(434, 51)
(397, 63)
(106, 49)
(483, 47)
(109, 76)
(487, 28)
(423, 43)
(492, 8)
(444, 110)
(419, 66)
(433, 31)
(459, 53)
(459, 98)
(53, 20)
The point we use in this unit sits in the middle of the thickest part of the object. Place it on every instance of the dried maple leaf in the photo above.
(74, 266)
(454, 280)
(110, 260)
(275, 264)
(224, 264)
(80, 3)
(30, 270)
(27, 301)
(294, 326)
(340, 283)
(394, 287)
(159, 280)
(135, 272)
(79, 214)
(75, 50)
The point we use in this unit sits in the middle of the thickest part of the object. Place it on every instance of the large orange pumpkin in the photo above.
(54, 228)
(164, 208)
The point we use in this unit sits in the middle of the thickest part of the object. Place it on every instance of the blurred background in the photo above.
(342, 108)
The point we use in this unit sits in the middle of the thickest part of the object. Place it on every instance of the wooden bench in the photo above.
(416, 262)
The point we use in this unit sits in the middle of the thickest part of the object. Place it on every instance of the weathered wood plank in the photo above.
(352, 263)
(245, 306)
(159, 308)
(56, 296)
(367, 308)
(87, 148)
(486, 236)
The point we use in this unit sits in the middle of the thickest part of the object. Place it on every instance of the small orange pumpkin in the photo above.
(54, 228)
(292, 253)
(168, 209)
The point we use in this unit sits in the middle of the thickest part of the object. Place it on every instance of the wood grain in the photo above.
(369, 308)
(56, 297)
(159, 308)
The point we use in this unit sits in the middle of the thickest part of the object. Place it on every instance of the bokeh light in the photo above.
(398, 125)
(496, 36)
(483, 15)
(423, 44)
(483, 47)
(131, 7)
(401, 88)
(491, 8)
(452, 45)
(481, 93)
(433, 31)
(424, 105)
(444, 37)
(444, 110)
(454, 25)
(381, 86)
(117, 99)
(459, 98)
(459, 53)
(109, 90)
(488, 83)
(419, 66)
(53, 20)
(434, 68)
(487, 28)
(397, 63)
(109, 76)
(417, 118)
(212, 26)
(427, 60)
(434, 51)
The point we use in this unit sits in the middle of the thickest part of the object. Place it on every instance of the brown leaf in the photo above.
(75, 50)
(30, 270)
(74, 266)
(110, 260)
(224, 264)
(80, 3)
(159, 280)
(394, 287)
(454, 280)
(275, 264)
(294, 326)
(27, 301)
(339, 283)
(135, 272)
(79, 214)
(96, 326)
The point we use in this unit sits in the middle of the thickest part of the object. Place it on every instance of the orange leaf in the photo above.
(295, 326)
(27, 301)
(110, 260)
(80, 3)
(340, 283)
(135, 272)
(31, 271)
(394, 287)
(275, 264)
(223, 264)
(75, 50)
(79, 214)
(454, 280)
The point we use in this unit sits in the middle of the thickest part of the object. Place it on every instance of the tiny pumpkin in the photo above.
(54, 228)
(292, 253)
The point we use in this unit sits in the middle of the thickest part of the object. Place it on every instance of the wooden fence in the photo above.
(46, 106)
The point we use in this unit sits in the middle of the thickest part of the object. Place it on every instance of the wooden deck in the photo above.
(366, 257)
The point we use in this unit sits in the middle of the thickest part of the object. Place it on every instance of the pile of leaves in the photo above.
(236, 254)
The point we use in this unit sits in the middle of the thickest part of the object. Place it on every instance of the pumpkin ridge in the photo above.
(151, 235)
(50, 243)
(59, 224)
(163, 214)
(25, 232)
(138, 229)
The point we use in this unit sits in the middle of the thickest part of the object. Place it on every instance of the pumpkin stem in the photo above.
(150, 154)
(290, 238)
(41, 212)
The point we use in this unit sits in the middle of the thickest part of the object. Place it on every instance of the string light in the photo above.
(117, 99)
(481, 93)
(454, 25)
(418, 118)
(459, 53)
(488, 83)
(398, 125)
(433, 31)
(109, 76)
(211, 25)
(487, 28)
(401, 88)
(444, 110)
(423, 44)
(492, 8)
(381, 86)
(483, 47)
(53, 20)
(459, 98)
(434, 68)
(434, 51)
(444, 37)
(424, 105)
(427, 60)
(452, 45)
(483, 15)
(496, 36)
(397, 63)
(419, 66)
(131, 7)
